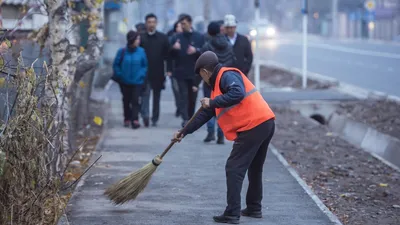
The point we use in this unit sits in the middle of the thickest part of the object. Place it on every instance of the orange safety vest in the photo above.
(249, 113)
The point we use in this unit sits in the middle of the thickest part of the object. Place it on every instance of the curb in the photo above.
(342, 87)
(63, 220)
(332, 217)
(382, 146)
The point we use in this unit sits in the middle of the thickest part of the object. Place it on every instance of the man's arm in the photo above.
(201, 44)
(116, 64)
(204, 116)
(233, 86)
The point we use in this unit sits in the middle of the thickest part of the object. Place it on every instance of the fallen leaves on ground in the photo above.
(98, 120)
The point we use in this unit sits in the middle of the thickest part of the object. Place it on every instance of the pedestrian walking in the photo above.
(176, 25)
(219, 44)
(156, 46)
(241, 45)
(130, 68)
(170, 67)
(185, 50)
(246, 118)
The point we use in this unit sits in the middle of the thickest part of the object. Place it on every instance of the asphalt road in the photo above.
(367, 65)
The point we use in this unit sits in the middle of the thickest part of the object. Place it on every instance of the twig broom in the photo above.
(130, 187)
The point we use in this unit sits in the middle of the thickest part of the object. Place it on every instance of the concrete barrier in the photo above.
(382, 146)
(385, 147)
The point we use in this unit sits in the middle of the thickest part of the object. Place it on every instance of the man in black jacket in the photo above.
(185, 50)
(170, 67)
(218, 44)
(156, 45)
(241, 45)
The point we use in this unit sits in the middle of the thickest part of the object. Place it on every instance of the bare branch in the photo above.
(82, 174)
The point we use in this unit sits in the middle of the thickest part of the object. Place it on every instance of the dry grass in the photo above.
(32, 154)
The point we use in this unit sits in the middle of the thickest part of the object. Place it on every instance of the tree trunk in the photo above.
(59, 80)
(89, 59)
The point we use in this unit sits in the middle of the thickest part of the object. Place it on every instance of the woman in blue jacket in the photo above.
(130, 68)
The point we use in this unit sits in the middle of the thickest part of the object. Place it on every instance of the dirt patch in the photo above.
(383, 115)
(355, 186)
(281, 78)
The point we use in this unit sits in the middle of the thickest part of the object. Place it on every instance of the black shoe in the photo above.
(146, 122)
(154, 124)
(254, 214)
(135, 124)
(226, 219)
(221, 140)
(210, 137)
(126, 123)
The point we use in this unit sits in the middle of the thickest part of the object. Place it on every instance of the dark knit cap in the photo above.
(208, 60)
(213, 28)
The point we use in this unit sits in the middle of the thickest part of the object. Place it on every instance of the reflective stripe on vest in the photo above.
(230, 107)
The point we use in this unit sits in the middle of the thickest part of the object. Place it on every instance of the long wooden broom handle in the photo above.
(184, 128)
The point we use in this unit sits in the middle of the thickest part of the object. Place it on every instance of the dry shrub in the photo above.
(30, 177)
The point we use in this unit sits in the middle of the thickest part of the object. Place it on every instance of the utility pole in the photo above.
(335, 5)
(305, 24)
(206, 13)
(257, 52)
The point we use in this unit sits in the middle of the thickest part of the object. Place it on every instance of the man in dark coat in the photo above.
(186, 48)
(170, 68)
(241, 45)
(219, 44)
(156, 45)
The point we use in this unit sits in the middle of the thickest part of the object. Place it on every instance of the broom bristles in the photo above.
(130, 187)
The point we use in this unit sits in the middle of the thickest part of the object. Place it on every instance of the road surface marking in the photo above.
(344, 87)
(348, 50)
(356, 51)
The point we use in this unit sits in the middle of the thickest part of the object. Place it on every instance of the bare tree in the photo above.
(36, 140)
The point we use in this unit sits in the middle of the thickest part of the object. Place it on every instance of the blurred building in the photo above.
(12, 10)
(352, 18)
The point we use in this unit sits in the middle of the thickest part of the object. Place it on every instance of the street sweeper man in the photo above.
(244, 118)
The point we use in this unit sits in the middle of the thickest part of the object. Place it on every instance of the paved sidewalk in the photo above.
(188, 187)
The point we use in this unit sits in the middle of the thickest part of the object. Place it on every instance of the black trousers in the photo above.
(187, 99)
(175, 89)
(145, 107)
(130, 100)
(248, 155)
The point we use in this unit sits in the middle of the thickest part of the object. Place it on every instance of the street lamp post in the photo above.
(257, 55)
(305, 22)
